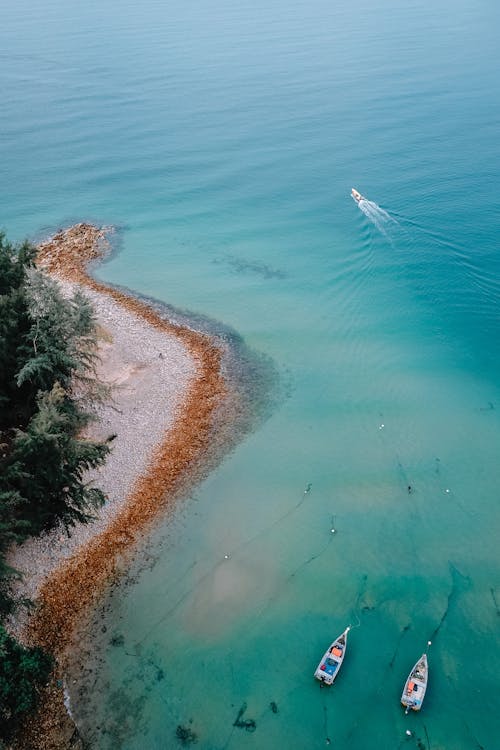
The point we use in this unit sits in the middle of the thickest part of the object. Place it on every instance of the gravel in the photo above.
(150, 372)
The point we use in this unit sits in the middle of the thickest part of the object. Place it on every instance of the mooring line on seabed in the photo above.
(235, 550)
(136, 648)
(325, 719)
(381, 683)
(145, 661)
(276, 522)
(227, 556)
(412, 735)
(457, 578)
(493, 596)
(398, 644)
(452, 595)
(473, 737)
(274, 597)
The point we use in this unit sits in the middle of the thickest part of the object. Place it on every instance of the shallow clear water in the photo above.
(224, 141)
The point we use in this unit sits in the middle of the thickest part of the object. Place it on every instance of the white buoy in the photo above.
(333, 531)
(381, 426)
(226, 557)
(408, 733)
(447, 490)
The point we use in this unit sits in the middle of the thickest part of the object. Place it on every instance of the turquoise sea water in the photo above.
(223, 139)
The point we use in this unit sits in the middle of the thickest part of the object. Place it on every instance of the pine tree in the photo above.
(15, 324)
(47, 463)
(60, 344)
(22, 672)
(48, 377)
(47, 381)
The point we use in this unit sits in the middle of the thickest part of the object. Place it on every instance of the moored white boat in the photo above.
(416, 685)
(330, 664)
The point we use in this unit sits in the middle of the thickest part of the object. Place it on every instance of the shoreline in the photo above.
(75, 583)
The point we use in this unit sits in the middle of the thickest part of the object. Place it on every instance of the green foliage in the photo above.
(62, 335)
(11, 532)
(46, 465)
(22, 672)
(47, 383)
(44, 337)
(47, 359)
(14, 325)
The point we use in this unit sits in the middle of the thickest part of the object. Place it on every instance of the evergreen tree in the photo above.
(15, 324)
(46, 465)
(49, 347)
(61, 338)
(11, 531)
(47, 382)
(22, 672)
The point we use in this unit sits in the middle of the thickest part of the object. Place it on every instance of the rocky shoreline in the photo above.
(167, 387)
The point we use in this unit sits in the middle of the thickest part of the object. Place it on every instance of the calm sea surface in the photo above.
(223, 138)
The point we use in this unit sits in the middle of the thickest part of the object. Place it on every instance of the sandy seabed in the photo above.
(167, 386)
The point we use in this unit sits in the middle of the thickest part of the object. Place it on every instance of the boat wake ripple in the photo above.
(380, 218)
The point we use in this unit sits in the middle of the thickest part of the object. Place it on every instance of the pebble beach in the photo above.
(165, 385)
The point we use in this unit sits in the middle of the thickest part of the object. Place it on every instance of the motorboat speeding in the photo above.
(384, 222)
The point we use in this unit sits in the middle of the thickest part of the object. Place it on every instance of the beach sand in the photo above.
(167, 387)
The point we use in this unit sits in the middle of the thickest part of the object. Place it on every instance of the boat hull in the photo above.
(415, 687)
(329, 666)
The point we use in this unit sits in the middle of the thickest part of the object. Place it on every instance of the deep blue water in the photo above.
(223, 139)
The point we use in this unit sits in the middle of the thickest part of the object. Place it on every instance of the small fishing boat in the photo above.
(357, 196)
(416, 685)
(330, 664)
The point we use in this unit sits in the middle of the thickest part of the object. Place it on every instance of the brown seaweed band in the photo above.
(71, 590)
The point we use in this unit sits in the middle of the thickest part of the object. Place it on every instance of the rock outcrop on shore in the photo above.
(167, 386)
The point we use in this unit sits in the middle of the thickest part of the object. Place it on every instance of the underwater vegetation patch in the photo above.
(186, 735)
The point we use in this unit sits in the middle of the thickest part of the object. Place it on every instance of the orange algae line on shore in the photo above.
(73, 587)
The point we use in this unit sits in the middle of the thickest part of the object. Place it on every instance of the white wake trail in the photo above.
(377, 215)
